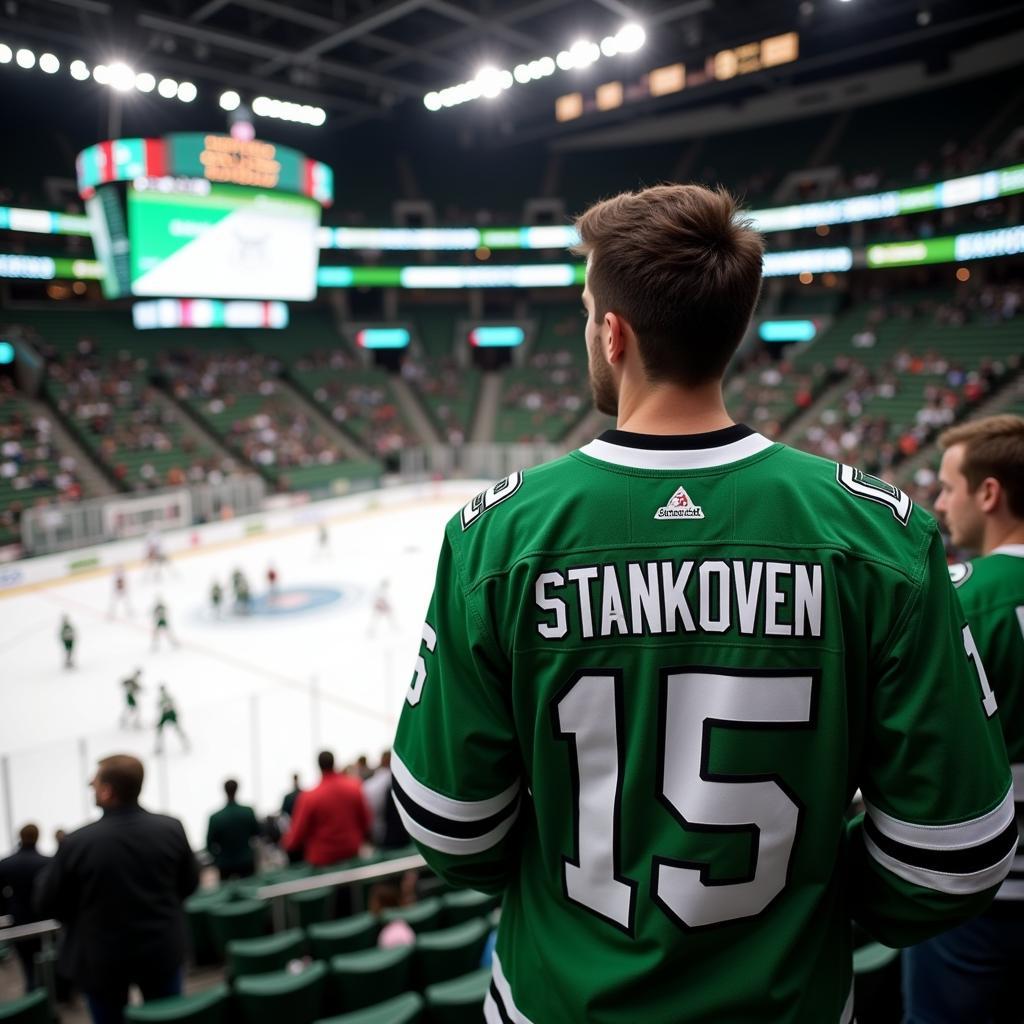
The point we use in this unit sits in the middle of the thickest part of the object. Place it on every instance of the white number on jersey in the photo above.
(695, 703)
(988, 698)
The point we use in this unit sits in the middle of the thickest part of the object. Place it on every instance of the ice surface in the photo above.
(257, 697)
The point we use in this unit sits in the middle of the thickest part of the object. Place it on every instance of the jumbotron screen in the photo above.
(197, 239)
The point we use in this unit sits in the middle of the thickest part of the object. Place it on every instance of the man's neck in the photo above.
(1000, 532)
(671, 409)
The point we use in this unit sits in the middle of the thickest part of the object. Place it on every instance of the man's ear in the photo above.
(989, 493)
(615, 340)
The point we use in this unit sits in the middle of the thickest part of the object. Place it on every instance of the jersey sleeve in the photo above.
(938, 835)
(456, 767)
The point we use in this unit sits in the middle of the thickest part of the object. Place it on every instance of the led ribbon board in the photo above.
(164, 313)
(218, 158)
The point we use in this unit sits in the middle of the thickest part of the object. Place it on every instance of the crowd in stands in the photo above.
(347, 814)
(31, 469)
(240, 393)
(360, 402)
(441, 383)
(118, 413)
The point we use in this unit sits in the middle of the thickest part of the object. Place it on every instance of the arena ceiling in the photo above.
(362, 60)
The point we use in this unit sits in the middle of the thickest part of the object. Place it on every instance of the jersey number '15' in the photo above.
(694, 703)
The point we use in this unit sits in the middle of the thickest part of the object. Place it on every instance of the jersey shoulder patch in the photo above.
(960, 572)
(871, 488)
(486, 500)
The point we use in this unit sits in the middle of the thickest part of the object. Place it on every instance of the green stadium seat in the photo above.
(450, 952)
(459, 1001)
(282, 997)
(312, 907)
(349, 935)
(403, 1009)
(209, 1007)
(197, 913)
(361, 979)
(240, 919)
(457, 907)
(424, 916)
(267, 953)
(30, 1009)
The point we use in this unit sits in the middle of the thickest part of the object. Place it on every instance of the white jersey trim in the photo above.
(458, 846)
(1017, 770)
(959, 836)
(847, 1015)
(698, 458)
(1016, 550)
(500, 982)
(941, 881)
(446, 806)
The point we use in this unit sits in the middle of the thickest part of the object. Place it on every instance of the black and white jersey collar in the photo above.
(1016, 550)
(677, 451)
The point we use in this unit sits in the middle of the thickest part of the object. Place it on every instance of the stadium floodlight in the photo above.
(432, 101)
(102, 74)
(565, 60)
(630, 38)
(168, 88)
(489, 80)
(261, 106)
(609, 46)
(584, 53)
(6, 54)
(145, 82)
(546, 66)
(79, 70)
(49, 64)
(229, 100)
(319, 117)
(25, 58)
(122, 77)
(522, 74)
(187, 92)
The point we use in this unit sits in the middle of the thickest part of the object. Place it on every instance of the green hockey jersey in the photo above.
(991, 590)
(652, 677)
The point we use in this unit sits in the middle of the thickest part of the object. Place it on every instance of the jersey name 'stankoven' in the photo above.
(754, 598)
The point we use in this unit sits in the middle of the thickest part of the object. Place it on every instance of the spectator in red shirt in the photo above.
(332, 821)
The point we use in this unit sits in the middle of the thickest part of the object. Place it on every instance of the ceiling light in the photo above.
(565, 60)
(145, 82)
(522, 74)
(25, 59)
(609, 46)
(6, 54)
(49, 64)
(261, 106)
(230, 100)
(319, 117)
(79, 70)
(546, 66)
(168, 88)
(187, 92)
(432, 101)
(102, 74)
(122, 78)
(630, 38)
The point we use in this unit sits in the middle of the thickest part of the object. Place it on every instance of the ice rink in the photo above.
(258, 696)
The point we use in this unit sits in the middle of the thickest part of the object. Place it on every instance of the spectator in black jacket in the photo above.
(17, 877)
(118, 886)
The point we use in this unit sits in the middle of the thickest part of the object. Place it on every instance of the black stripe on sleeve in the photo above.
(500, 1004)
(950, 862)
(448, 826)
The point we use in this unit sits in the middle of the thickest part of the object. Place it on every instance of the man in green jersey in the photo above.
(132, 688)
(168, 717)
(655, 672)
(67, 639)
(967, 973)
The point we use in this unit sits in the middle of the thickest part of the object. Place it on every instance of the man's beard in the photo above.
(602, 387)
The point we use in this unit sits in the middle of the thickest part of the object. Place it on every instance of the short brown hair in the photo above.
(29, 835)
(678, 265)
(123, 774)
(993, 446)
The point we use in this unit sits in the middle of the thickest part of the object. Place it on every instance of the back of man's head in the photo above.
(28, 836)
(123, 774)
(231, 789)
(678, 265)
(992, 447)
(385, 759)
(325, 759)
